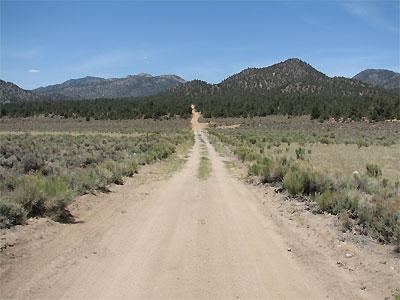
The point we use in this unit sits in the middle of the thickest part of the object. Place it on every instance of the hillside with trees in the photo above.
(292, 87)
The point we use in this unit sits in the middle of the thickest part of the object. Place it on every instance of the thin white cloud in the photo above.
(108, 60)
(315, 23)
(26, 54)
(371, 14)
(104, 60)
(33, 71)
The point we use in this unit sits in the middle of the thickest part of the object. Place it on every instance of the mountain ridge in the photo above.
(379, 77)
(10, 92)
(292, 76)
(90, 87)
(291, 87)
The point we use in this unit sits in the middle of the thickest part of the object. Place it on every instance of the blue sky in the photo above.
(48, 42)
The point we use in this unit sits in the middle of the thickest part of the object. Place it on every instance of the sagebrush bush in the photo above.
(296, 182)
(319, 182)
(382, 220)
(30, 194)
(11, 212)
(325, 201)
(58, 195)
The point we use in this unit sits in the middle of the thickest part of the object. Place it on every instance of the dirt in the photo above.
(195, 120)
(228, 126)
(184, 237)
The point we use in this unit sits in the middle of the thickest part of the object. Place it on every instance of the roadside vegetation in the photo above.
(354, 174)
(41, 174)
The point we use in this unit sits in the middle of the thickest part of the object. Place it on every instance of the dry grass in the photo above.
(318, 161)
(40, 174)
(76, 125)
(344, 159)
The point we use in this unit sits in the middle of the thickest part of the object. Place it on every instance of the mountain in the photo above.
(291, 77)
(378, 77)
(292, 87)
(94, 87)
(10, 92)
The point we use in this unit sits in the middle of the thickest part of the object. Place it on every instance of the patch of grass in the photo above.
(205, 169)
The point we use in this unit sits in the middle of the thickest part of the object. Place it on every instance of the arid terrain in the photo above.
(166, 233)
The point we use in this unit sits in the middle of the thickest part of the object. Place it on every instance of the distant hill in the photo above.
(291, 77)
(94, 87)
(10, 92)
(292, 87)
(378, 77)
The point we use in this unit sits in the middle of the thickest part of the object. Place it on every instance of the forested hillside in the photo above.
(292, 87)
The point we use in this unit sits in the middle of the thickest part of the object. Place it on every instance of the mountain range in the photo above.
(292, 76)
(89, 87)
(94, 87)
(378, 77)
(291, 87)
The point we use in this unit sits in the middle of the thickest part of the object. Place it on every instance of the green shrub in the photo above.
(253, 140)
(319, 182)
(385, 182)
(57, 197)
(86, 181)
(325, 201)
(324, 140)
(296, 182)
(362, 143)
(30, 194)
(255, 170)
(11, 212)
(241, 153)
(300, 152)
(382, 220)
(251, 156)
(373, 170)
(336, 203)
(285, 140)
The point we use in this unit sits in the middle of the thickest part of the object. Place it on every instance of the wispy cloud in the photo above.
(110, 59)
(26, 54)
(371, 14)
(33, 71)
(104, 60)
(315, 23)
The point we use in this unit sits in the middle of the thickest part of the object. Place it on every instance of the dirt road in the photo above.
(181, 238)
